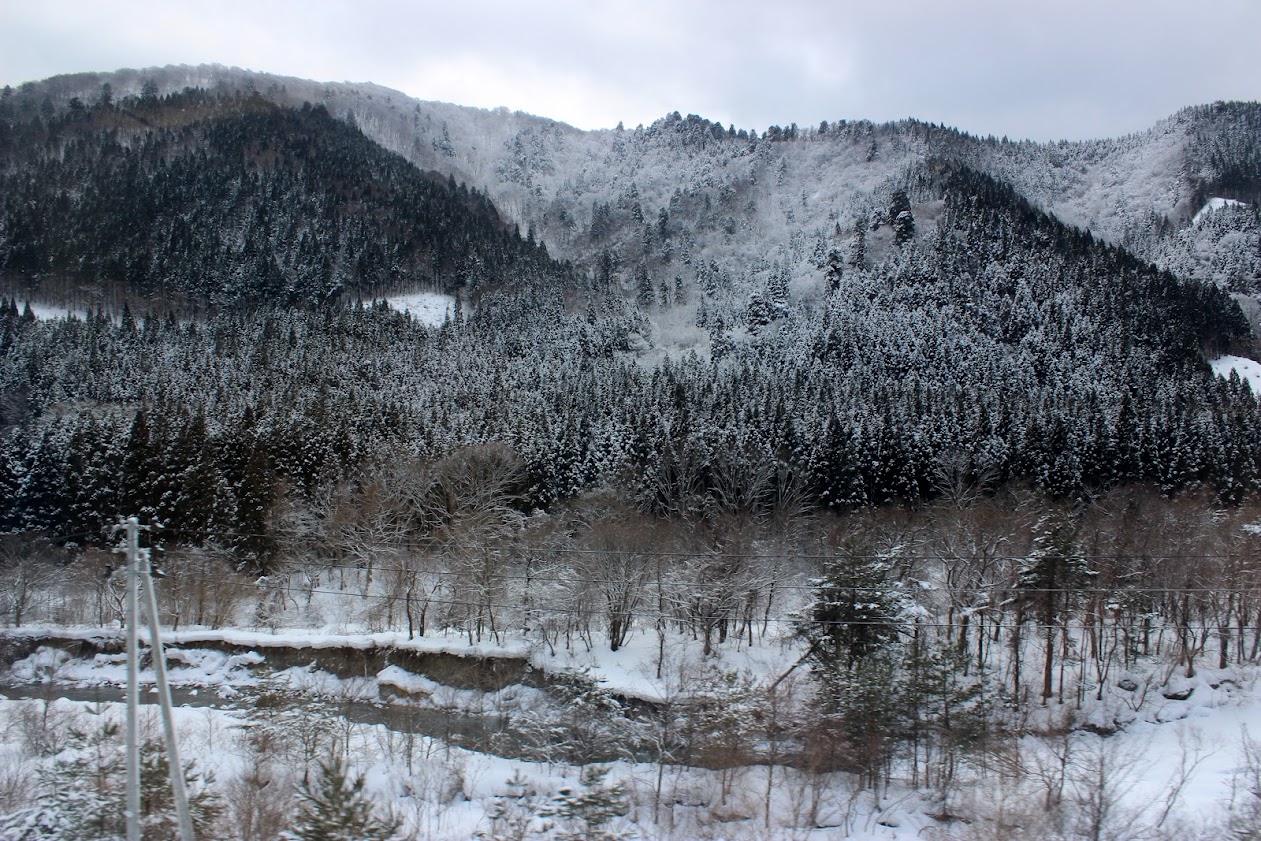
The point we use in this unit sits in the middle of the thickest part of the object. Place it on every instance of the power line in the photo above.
(648, 582)
(450, 549)
(733, 614)
(890, 556)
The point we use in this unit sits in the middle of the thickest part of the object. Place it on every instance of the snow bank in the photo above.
(185, 668)
(288, 638)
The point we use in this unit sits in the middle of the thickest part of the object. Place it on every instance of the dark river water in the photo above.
(484, 733)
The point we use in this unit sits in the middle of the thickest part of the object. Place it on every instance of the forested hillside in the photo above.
(749, 200)
(232, 198)
(724, 339)
(1007, 348)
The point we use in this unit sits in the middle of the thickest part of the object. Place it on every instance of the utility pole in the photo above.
(132, 550)
(138, 573)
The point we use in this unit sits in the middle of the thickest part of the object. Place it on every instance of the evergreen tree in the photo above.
(858, 609)
(84, 786)
(723, 712)
(85, 782)
(759, 313)
(1048, 578)
(141, 469)
(255, 499)
(91, 469)
(900, 217)
(196, 501)
(644, 292)
(591, 813)
(944, 712)
(834, 269)
(334, 807)
(43, 497)
(12, 473)
(858, 246)
(158, 821)
(777, 293)
(516, 816)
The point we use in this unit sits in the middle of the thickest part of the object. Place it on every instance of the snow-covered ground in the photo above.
(1214, 204)
(431, 308)
(1169, 773)
(1248, 370)
(49, 312)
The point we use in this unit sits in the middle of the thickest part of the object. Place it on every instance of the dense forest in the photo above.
(235, 199)
(991, 345)
(1006, 349)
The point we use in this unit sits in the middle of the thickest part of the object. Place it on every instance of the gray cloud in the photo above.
(1069, 69)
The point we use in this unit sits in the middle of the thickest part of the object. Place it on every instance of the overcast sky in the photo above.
(1047, 70)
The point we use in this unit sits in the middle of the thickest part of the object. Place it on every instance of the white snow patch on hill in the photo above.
(49, 312)
(1248, 370)
(431, 308)
(1213, 205)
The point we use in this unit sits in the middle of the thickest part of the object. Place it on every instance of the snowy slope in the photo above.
(1174, 768)
(1248, 370)
(1214, 204)
(431, 308)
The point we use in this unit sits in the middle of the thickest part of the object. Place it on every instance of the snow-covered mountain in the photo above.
(750, 201)
(897, 294)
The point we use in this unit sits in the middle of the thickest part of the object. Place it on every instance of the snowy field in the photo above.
(1212, 206)
(48, 312)
(431, 308)
(1248, 370)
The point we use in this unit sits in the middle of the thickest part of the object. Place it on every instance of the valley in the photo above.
(849, 480)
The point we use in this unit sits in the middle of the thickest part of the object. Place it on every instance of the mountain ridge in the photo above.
(1139, 191)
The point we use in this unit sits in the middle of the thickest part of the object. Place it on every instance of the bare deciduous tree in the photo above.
(30, 565)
